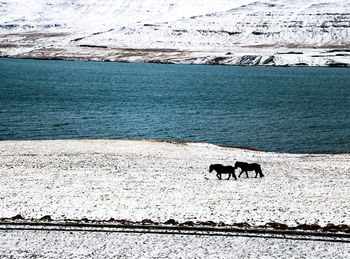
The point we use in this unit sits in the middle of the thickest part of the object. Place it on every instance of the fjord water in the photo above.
(297, 110)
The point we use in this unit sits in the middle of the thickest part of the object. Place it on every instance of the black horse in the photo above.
(220, 169)
(245, 167)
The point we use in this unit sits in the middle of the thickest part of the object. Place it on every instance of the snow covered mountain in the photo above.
(236, 32)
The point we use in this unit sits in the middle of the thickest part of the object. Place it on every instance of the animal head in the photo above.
(211, 168)
(239, 164)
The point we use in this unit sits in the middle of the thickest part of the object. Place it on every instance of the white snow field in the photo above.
(232, 32)
(56, 244)
(137, 180)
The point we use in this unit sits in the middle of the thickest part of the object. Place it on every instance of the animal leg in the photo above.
(261, 174)
(234, 175)
(218, 176)
(246, 173)
(258, 172)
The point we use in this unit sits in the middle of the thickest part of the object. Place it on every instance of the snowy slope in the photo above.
(271, 32)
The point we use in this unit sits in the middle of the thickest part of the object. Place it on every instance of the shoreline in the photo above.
(209, 62)
(178, 142)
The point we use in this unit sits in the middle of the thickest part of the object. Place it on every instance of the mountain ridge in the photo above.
(270, 32)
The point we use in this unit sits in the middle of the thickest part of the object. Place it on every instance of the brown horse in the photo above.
(245, 167)
(220, 169)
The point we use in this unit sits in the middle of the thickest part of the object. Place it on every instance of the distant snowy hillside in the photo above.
(240, 32)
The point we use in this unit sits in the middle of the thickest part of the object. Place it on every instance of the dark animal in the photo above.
(220, 169)
(245, 167)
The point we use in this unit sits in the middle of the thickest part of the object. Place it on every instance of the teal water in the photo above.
(297, 110)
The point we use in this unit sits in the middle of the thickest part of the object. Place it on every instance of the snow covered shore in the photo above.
(137, 180)
(240, 32)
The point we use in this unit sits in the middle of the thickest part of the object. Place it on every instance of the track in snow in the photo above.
(177, 230)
